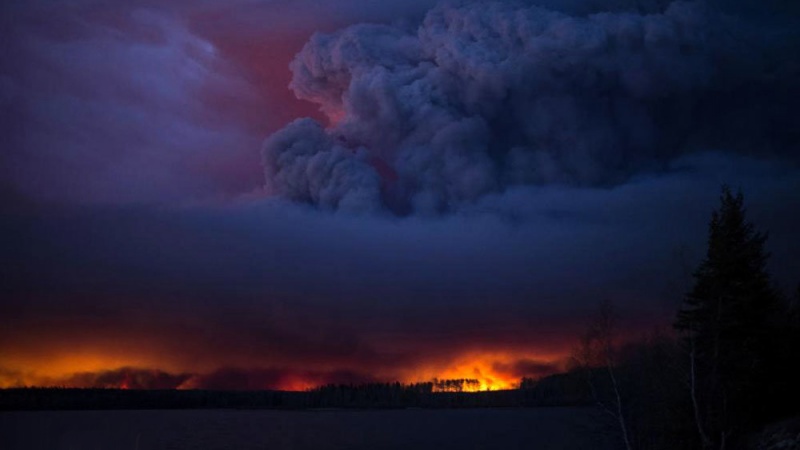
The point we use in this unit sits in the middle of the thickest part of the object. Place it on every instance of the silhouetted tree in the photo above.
(599, 350)
(726, 320)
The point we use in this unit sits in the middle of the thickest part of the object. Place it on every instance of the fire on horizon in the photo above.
(165, 367)
(87, 370)
(280, 195)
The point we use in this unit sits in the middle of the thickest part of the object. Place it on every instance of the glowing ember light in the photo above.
(485, 372)
(296, 385)
(458, 385)
(467, 372)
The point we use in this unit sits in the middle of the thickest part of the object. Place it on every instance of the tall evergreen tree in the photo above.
(726, 319)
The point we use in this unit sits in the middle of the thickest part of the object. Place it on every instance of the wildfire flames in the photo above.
(470, 373)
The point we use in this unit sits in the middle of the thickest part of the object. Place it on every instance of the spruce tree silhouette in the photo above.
(726, 320)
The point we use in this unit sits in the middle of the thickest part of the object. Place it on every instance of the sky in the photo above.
(274, 194)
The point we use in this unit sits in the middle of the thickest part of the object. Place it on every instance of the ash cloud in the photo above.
(482, 97)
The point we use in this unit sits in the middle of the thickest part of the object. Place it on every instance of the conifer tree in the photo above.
(726, 323)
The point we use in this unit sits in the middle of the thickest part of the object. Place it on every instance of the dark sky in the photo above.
(278, 194)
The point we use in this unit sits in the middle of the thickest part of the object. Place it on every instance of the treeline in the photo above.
(556, 390)
(726, 377)
(456, 385)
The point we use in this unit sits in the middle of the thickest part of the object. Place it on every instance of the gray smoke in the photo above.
(481, 97)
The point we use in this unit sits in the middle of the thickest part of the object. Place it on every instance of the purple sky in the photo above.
(279, 193)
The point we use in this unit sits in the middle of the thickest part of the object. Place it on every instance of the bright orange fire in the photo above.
(479, 371)
(485, 368)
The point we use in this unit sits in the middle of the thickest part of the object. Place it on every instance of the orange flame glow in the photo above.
(481, 371)
(485, 368)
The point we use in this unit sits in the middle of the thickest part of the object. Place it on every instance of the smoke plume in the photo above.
(482, 97)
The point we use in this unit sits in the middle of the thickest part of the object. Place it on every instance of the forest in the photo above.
(556, 390)
(726, 376)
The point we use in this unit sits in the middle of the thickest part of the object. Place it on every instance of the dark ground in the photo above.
(418, 429)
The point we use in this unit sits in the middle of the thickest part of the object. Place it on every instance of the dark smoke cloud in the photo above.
(560, 138)
(126, 378)
(527, 368)
(482, 97)
(224, 378)
(152, 102)
(332, 178)
(276, 285)
(274, 378)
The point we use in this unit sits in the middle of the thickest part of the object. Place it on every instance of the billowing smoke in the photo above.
(481, 97)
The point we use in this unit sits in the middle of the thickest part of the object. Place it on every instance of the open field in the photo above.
(507, 429)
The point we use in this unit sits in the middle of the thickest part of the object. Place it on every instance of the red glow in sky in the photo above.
(454, 215)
